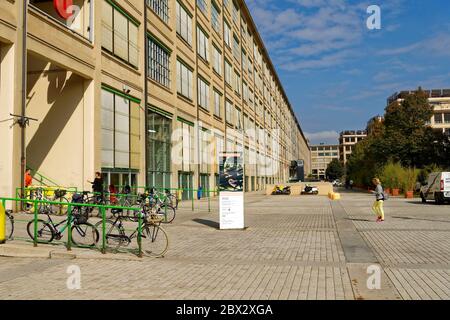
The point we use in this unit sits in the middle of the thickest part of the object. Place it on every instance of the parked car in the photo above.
(436, 188)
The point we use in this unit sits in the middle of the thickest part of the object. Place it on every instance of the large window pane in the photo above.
(107, 26)
(120, 35)
(122, 132)
(107, 129)
(133, 44)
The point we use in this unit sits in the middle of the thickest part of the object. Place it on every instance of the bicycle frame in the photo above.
(55, 226)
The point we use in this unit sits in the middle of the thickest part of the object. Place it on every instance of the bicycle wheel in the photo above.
(84, 234)
(114, 235)
(154, 241)
(173, 201)
(60, 209)
(9, 226)
(45, 233)
(167, 211)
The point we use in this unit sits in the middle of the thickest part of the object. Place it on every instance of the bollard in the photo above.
(2, 224)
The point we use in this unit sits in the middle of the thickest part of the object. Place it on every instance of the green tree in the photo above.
(407, 138)
(403, 137)
(335, 170)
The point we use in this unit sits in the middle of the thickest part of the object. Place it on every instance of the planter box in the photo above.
(395, 192)
(409, 195)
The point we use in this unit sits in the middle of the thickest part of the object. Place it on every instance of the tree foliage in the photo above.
(335, 170)
(403, 137)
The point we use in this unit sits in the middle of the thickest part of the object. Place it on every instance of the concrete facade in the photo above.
(439, 99)
(321, 156)
(85, 85)
(347, 141)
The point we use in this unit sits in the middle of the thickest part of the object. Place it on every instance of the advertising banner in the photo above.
(231, 186)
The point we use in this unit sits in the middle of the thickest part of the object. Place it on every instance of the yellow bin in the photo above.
(2, 224)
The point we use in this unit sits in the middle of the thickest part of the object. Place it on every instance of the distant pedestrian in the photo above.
(28, 178)
(97, 186)
(112, 194)
(28, 192)
(351, 184)
(379, 200)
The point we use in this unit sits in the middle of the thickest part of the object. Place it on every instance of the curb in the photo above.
(28, 251)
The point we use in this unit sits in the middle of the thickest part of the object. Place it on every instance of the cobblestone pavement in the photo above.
(293, 249)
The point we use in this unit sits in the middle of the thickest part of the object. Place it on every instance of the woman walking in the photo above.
(378, 204)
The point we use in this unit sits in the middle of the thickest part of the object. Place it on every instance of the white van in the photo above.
(437, 188)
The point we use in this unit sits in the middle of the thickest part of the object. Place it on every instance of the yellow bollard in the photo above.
(2, 224)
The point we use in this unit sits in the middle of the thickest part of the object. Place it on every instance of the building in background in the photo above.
(374, 124)
(439, 99)
(321, 156)
(347, 141)
(212, 88)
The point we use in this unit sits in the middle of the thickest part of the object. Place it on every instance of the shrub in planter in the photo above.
(391, 177)
(409, 194)
(409, 180)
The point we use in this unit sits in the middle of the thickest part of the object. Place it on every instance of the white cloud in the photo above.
(323, 136)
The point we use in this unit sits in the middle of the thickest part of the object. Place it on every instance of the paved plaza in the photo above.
(294, 248)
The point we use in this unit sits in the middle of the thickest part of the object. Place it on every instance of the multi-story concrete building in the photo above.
(440, 101)
(321, 156)
(211, 87)
(347, 141)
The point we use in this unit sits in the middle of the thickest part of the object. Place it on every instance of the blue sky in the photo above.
(336, 72)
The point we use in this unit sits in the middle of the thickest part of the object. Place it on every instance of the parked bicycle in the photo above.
(171, 198)
(83, 232)
(51, 208)
(94, 201)
(160, 205)
(154, 239)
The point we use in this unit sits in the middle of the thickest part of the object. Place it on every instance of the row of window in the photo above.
(442, 118)
(120, 32)
(120, 37)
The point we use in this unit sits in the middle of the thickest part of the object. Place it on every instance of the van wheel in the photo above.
(437, 199)
(424, 200)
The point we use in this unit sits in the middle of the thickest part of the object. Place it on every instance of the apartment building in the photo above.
(321, 156)
(211, 87)
(439, 99)
(347, 141)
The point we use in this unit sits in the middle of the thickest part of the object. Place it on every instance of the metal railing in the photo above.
(69, 222)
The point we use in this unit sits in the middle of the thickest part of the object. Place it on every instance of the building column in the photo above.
(10, 98)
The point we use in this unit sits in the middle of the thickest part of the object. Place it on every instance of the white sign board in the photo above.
(231, 186)
(231, 210)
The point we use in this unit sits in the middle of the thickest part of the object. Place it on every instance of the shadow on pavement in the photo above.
(414, 218)
(364, 220)
(208, 223)
(424, 204)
